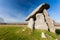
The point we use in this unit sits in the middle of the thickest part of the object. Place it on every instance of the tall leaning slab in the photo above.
(49, 21)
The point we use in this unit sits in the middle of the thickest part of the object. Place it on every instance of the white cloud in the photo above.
(8, 16)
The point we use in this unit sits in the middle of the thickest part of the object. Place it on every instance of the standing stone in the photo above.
(40, 22)
(49, 21)
(31, 23)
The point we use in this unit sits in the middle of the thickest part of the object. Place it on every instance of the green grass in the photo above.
(24, 33)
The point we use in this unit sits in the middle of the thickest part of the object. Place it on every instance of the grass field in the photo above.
(21, 32)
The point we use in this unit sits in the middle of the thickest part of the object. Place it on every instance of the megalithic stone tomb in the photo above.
(39, 19)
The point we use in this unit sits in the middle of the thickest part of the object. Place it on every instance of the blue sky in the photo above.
(18, 10)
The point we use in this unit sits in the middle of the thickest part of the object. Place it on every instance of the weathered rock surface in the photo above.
(31, 23)
(49, 21)
(40, 22)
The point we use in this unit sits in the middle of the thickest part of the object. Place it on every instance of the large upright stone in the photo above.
(40, 22)
(49, 21)
(31, 23)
